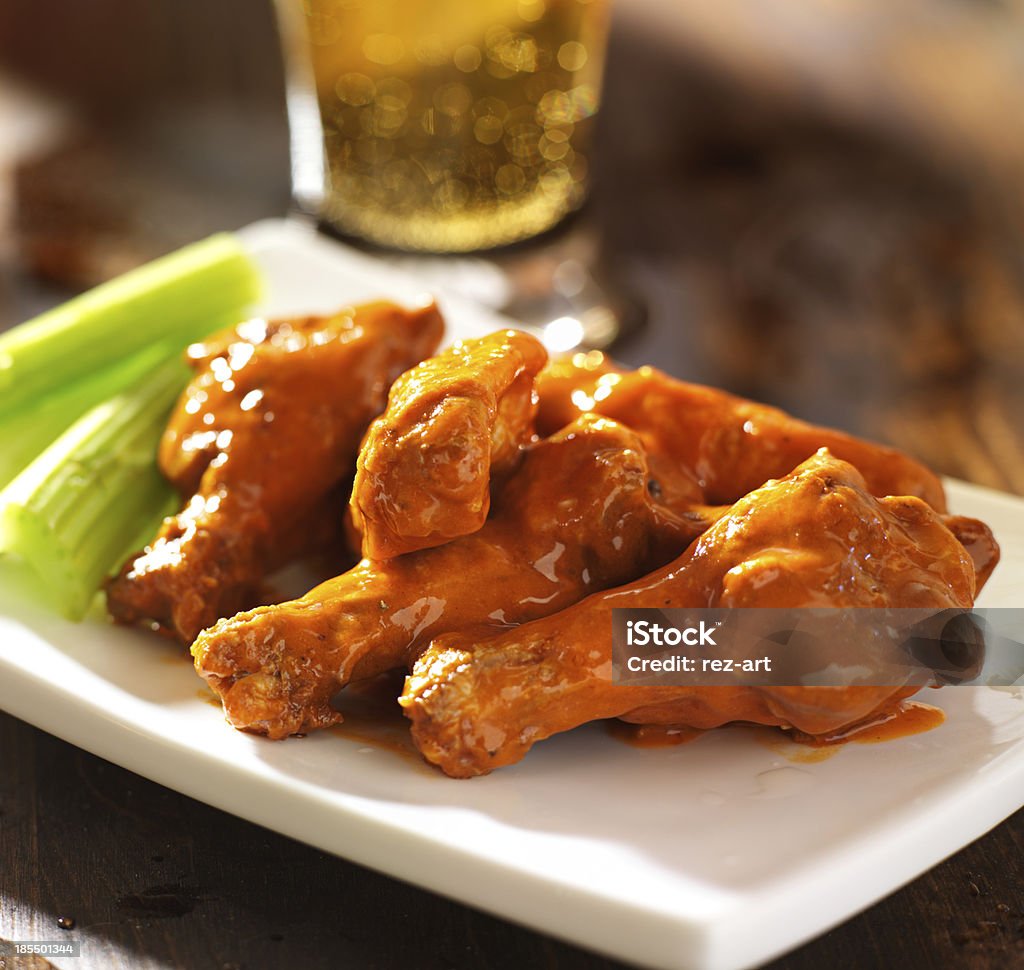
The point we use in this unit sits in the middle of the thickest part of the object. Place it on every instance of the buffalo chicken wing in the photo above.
(815, 538)
(261, 445)
(725, 444)
(452, 424)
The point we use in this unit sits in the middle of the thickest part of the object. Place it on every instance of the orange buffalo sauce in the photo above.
(909, 718)
(652, 735)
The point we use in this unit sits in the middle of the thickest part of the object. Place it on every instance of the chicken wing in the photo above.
(452, 424)
(814, 538)
(577, 516)
(260, 440)
(727, 445)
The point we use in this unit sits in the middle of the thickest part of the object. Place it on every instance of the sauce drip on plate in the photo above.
(652, 735)
(909, 718)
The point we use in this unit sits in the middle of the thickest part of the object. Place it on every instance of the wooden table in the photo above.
(834, 270)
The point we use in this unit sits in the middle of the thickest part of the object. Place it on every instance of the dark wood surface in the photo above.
(837, 270)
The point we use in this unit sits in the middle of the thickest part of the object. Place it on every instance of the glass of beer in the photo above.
(442, 125)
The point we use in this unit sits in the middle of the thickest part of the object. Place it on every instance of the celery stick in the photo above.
(75, 510)
(28, 435)
(176, 299)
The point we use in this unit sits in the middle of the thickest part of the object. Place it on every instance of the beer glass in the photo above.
(442, 125)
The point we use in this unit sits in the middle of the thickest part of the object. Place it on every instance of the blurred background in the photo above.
(819, 203)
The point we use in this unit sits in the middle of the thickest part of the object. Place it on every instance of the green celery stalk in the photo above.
(27, 436)
(76, 510)
(174, 300)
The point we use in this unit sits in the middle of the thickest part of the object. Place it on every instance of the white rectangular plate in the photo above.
(717, 854)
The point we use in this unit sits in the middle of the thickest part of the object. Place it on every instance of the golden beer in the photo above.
(454, 125)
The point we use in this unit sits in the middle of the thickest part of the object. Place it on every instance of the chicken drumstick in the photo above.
(814, 538)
